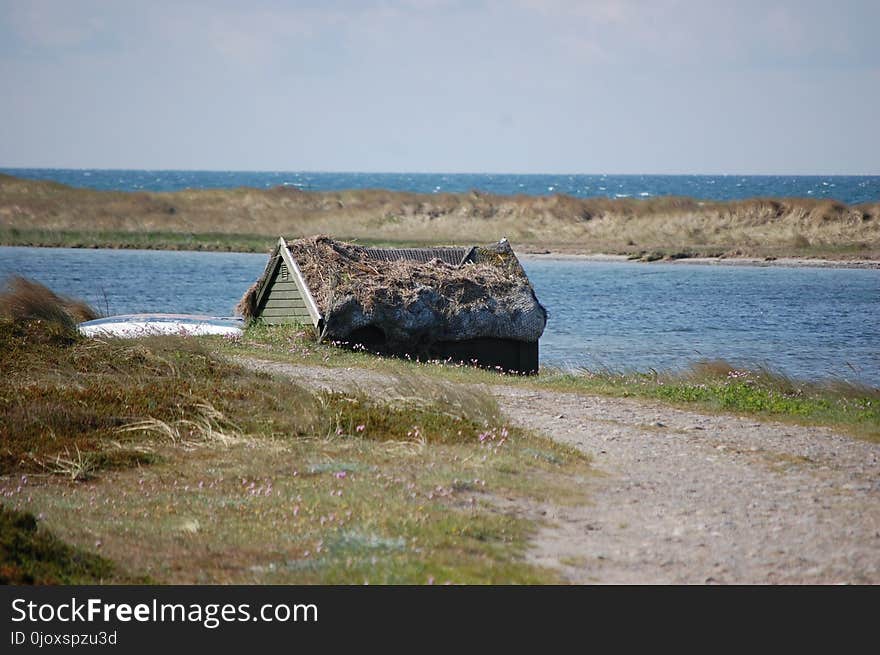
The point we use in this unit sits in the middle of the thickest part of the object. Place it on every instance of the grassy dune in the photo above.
(47, 213)
(157, 459)
(162, 460)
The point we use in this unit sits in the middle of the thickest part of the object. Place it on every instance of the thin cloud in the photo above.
(47, 25)
(626, 85)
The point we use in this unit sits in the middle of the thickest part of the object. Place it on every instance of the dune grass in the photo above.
(178, 466)
(23, 300)
(160, 459)
(46, 213)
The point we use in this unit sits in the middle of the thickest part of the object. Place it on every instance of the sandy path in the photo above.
(778, 262)
(690, 498)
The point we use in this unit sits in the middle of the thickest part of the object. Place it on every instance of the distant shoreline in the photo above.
(756, 232)
(781, 262)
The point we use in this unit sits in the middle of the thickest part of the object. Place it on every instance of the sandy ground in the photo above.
(683, 497)
(785, 262)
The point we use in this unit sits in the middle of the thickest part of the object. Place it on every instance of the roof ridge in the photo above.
(449, 254)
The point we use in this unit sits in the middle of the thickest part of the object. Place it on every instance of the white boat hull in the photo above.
(132, 326)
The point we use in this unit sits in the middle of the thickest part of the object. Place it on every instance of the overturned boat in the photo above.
(129, 326)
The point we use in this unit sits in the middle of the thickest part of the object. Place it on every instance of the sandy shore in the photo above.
(549, 255)
(786, 262)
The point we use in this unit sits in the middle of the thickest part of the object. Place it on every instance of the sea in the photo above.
(850, 189)
(808, 323)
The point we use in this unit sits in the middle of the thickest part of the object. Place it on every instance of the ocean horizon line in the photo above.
(443, 172)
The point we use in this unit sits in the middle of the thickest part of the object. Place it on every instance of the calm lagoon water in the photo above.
(811, 323)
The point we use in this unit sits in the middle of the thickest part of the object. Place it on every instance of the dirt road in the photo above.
(689, 498)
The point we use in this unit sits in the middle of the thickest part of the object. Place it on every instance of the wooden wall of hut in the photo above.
(283, 301)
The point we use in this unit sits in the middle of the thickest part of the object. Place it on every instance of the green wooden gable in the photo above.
(285, 297)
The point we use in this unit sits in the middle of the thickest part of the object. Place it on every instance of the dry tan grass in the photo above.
(22, 299)
(777, 227)
(207, 426)
(206, 472)
(335, 268)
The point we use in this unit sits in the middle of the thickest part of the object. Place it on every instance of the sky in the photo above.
(516, 86)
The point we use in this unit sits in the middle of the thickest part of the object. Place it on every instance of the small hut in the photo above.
(469, 304)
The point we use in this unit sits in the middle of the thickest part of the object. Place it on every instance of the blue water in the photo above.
(850, 189)
(810, 323)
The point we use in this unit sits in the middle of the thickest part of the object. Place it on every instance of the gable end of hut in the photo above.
(282, 296)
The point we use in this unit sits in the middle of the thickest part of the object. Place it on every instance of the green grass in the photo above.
(246, 242)
(164, 240)
(30, 554)
(178, 466)
(252, 513)
(709, 386)
(719, 387)
(212, 241)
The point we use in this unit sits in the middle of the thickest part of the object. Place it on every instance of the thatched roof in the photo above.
(414, 295)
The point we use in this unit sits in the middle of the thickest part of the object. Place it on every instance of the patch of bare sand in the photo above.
(778, 262)
(688, 497)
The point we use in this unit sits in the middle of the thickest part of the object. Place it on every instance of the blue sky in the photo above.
(529, 86)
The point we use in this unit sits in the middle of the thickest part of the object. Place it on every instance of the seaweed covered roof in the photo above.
(413, 295)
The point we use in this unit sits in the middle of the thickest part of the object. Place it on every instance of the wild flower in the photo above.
(360, 428)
